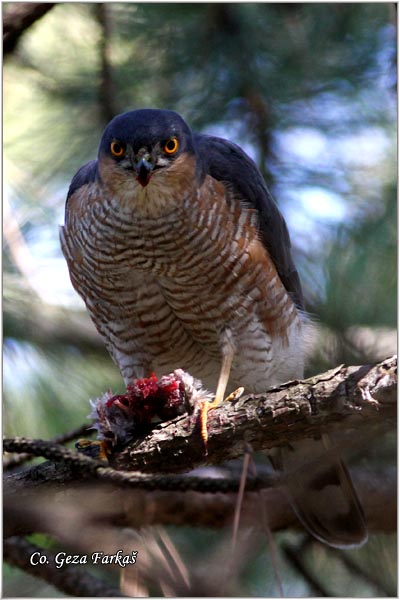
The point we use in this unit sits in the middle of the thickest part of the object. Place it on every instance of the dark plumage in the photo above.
(148, 127)
(86, 175)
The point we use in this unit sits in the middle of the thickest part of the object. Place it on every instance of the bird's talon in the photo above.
(235, 395)
(94, 448)
(207, 406)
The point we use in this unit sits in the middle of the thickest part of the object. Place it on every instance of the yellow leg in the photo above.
(228, 352)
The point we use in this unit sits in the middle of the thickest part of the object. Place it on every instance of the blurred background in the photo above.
(308, 90)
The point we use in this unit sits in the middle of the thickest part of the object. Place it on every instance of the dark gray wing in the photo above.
(86, 174)
(227, 162)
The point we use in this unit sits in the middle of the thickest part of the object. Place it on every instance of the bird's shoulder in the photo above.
(228, 163)
(84, 183)
(86, 175)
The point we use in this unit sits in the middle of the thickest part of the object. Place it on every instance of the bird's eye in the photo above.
(117, 149)
(171, 146)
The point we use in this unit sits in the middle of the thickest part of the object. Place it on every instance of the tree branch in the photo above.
(107, 88)
(338, 400)
(101, 504)
(12, 462)
(24, 312)
(37, 508)
(18, 17)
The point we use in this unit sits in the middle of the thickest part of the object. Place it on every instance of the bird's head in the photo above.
(142, 146)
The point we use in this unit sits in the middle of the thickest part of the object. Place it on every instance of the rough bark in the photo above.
(342, 399)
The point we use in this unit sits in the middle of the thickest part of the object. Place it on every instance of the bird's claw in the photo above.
(206, 406)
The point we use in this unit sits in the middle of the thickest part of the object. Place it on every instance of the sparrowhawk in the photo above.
(184, 260)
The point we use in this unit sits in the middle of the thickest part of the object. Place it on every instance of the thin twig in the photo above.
(63, 438)
(293, 554)
(239, 500)
(267, 529)
(369, 577)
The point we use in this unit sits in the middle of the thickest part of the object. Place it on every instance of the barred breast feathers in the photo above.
(207, 236)
(196, 250)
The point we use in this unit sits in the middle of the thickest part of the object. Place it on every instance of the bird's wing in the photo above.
(227, 163)
(85, 176)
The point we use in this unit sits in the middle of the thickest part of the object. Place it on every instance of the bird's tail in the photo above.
(321, 492)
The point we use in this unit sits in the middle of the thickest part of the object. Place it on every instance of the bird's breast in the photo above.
(205, 253)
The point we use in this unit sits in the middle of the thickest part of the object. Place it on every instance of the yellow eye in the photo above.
(117, 149)
(171, 146)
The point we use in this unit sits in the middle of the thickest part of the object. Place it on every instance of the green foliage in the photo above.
(360, 269)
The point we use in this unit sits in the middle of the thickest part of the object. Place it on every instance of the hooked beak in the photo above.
(143, 170)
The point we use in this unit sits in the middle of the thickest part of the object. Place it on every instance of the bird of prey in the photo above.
(183, 260)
